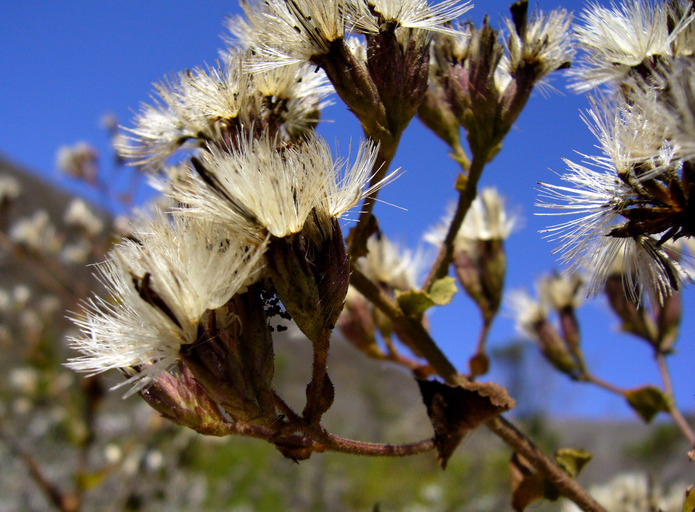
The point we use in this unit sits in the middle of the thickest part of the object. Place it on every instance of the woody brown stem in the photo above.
(567, 486)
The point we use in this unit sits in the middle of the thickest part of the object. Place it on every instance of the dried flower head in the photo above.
(618, 41)
(211, 106)
(371, 16)
(625, 205)
(161, 281)
(541, 42)
(261, 189)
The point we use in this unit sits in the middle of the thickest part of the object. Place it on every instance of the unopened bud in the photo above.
(481, 272)
(555, 349)
(633, 319)
(357, 324)
(179, 398)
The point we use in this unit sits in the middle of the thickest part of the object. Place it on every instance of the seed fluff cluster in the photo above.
(629, 206)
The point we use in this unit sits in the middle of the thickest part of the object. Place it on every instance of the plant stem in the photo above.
(466, 196)
(590, 377)
(339, 444)
(318, 397)
(566, 485)
(675, 413)
(423, 344)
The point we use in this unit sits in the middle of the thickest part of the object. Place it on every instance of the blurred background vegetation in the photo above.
(67, 444)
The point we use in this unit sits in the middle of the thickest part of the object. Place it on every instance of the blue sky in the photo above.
(66, 64)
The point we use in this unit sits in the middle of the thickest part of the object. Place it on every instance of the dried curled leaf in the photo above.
(647, 401)
(527, 484)
(456, 410)
(415, 303)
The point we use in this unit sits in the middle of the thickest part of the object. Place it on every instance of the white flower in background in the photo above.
(161, 282)
(25, 380)
(36, 233)
(79, 215)
(80, 160)
(261, 189)
(21, 294)
(634, 492)
(389, 264)
(77, 253)
(486, 220)
(9, 189)
(616, 39)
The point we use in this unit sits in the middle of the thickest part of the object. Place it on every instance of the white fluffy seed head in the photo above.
(160, 281)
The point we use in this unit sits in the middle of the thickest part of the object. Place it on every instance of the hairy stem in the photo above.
(339, 444)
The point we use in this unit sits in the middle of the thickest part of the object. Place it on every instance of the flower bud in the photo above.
(233, 359)
(357, 324)
(633, 319)
(481, 272)
(555, 349)
(397, 62)
(311, 278)
(179, 398)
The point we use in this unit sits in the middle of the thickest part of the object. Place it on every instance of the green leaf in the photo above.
(415, 303)
(572, 460)
(647, 401)
(443, 290)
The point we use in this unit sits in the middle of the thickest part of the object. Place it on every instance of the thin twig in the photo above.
(675, 413)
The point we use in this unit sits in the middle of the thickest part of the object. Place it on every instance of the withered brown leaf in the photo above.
(456, 410)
